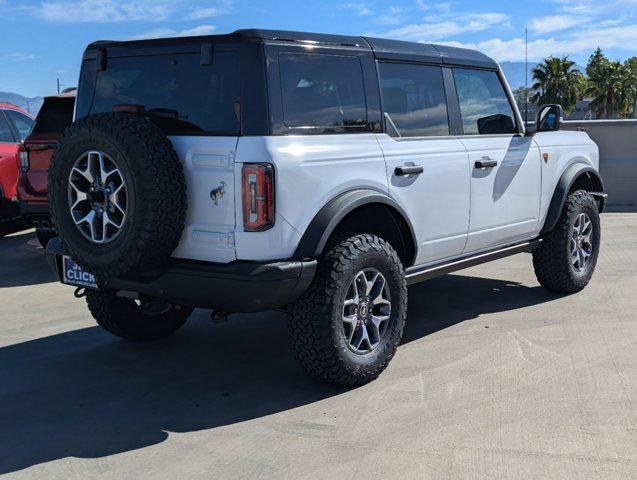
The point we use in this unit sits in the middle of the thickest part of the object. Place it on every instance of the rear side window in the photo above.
(21, 122)
(322, 90)
(176, 91)
(484, 105)
(6, 136)
(55, 115)
(413, 99)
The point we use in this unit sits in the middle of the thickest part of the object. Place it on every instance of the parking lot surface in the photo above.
(496, 378)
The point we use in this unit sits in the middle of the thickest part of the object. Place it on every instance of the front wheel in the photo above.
(566, 259)
(348, 324)
(125, 318)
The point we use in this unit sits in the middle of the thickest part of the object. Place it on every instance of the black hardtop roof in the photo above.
(382, 48)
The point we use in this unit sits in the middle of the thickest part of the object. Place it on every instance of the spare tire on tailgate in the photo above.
(118, 194)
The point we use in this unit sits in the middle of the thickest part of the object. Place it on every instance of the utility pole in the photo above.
(526, 77)
(58, 81)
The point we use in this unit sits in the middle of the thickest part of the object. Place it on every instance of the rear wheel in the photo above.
(348, 324)
(566, 259)
(126, 318)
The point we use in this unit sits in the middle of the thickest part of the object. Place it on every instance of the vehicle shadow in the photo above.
(22, 261)
(511, 163)
(86, 394)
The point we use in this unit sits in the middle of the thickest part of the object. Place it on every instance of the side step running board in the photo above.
(418, 274)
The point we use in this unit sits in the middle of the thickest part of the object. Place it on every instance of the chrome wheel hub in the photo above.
(581, 242)
(98, 199)
(366, 311)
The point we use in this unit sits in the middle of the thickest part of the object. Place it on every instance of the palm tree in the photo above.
(557, 80)
(612, 90)
(631, 64)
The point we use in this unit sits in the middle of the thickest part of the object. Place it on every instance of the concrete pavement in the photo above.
(496, 378)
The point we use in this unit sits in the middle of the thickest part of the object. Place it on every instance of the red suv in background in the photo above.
(35, 158)
(15, 125)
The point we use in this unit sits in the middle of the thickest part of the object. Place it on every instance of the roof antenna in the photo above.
(526, 79)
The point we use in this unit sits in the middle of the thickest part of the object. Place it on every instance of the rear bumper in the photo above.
(234, 287)
(35, 210)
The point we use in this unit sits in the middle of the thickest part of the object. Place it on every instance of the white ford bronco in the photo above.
(317, 174)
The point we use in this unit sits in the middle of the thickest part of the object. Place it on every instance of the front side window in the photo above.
(484, 105)
(6, 136)
(322, 90)
(414, 101)
(21, 122)
(178, 93)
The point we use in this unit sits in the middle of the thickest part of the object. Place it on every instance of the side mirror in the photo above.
(549, 118)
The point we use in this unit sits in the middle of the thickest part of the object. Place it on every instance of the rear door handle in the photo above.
(486, 162)
(409, 170)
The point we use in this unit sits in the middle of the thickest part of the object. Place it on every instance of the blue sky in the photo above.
(44, 39)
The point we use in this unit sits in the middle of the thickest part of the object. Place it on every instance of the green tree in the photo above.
(520, 94)
(596, 62)
(595, 71)
(557, 80)
(613, 88)
(631, 64)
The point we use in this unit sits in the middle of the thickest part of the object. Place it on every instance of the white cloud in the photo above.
(431, 31)
(392, 16)
(111, 11)
(200, 30)
(104, 11)
(585, 41)
(202, 13)
(171, 32)
(359, 8)
(21, 57)
(555, 23)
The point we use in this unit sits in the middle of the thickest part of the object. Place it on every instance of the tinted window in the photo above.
(414, 99)
(180, 95)
(322, 90)
(21, 122)
(5, 131)
(85, 88)
(484, 106)
(55, 115)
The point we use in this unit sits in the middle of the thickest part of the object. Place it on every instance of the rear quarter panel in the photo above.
(564, 149)
(310, 170)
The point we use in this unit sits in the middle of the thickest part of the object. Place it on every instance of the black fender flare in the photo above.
(327, 219)
(562, 188)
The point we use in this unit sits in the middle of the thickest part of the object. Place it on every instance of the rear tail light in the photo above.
(23, 154)
(258, 196)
